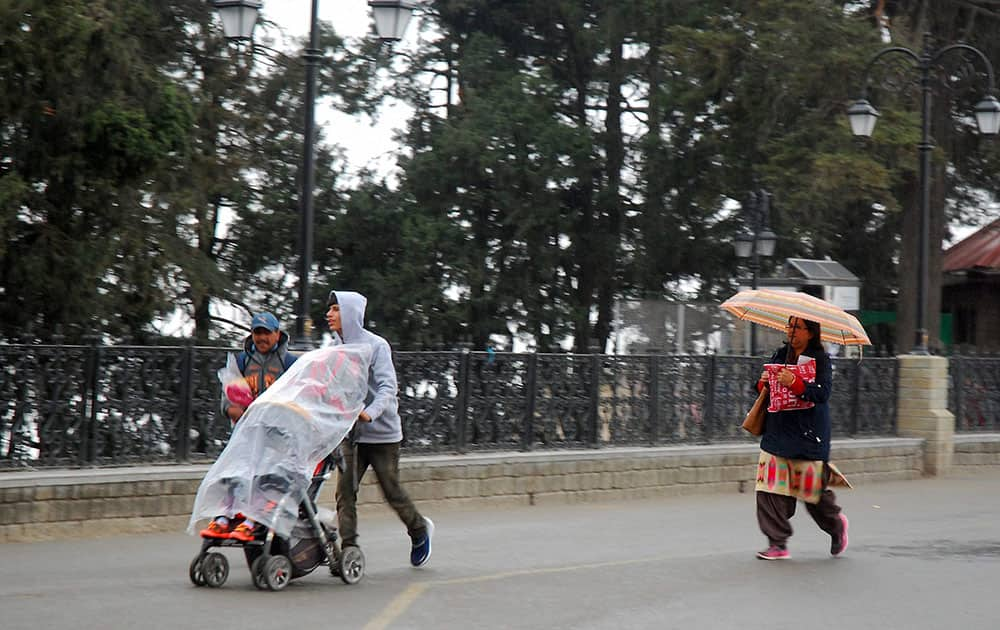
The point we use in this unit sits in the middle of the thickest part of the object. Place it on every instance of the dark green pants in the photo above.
(384, 460)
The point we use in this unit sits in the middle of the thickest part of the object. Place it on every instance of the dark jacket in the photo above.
(802, 433)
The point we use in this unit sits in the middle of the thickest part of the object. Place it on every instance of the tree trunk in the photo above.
(614, 148)
(202, 318)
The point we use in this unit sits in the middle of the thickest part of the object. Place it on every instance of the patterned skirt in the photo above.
(799, 478)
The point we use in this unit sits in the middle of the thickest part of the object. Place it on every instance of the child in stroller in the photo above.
(266, 474)
(275, 560)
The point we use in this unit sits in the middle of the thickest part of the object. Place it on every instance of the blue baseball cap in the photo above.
(264, 320)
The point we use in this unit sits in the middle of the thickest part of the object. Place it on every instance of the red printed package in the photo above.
(782, 398)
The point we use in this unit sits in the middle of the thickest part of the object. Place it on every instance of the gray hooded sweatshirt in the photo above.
(381, 402)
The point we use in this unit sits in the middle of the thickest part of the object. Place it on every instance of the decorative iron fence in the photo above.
(118, 405)
(974, 395)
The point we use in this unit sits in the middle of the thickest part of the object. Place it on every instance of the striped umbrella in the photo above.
(771, 308)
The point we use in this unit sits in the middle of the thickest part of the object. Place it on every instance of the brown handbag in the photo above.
(754, 422)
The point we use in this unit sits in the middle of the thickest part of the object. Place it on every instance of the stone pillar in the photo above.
(922, 409)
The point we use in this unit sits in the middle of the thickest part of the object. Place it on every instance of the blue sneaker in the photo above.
(420, 552)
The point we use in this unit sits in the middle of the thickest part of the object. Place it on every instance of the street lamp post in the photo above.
(863, 117)
(754, 240)
(238, 20)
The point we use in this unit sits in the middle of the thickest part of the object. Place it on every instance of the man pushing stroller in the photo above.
(378, 434)
(299, 420)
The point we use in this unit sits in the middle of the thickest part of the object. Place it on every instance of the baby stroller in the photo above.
(264, 474)
(275, 560)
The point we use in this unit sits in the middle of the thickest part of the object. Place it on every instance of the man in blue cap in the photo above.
(264, 358)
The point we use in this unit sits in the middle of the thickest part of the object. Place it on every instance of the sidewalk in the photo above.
(924, 555)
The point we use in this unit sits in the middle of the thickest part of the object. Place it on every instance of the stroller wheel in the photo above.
(352, 565)
(257, 572)
(277, 572)
(195, 571)
(215, 568)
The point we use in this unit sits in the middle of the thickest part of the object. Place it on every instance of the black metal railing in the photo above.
(118, 405)
(974, 394)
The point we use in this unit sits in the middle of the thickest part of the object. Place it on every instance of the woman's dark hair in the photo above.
(815, 344)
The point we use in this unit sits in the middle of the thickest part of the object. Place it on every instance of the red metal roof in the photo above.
(980, 250)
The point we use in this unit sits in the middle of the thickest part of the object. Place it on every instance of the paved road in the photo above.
(923, 555)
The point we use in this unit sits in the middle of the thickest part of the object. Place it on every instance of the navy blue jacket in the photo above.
(802, 433)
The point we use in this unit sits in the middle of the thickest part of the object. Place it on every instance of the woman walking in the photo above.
(795, 447)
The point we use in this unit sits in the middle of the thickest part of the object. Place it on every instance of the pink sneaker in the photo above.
(774, 552)
(839, 543)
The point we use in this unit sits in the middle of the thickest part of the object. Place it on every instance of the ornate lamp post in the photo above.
(863, 117)
(755, 240)
(238, 20)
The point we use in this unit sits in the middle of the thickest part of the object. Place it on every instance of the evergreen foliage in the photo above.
(562, 156)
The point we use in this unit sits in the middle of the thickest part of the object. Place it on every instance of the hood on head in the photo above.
(352, 314)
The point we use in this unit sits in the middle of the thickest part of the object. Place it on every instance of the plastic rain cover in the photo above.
(267, 466)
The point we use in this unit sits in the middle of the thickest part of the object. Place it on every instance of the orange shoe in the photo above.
(215, 529)
(243, 532)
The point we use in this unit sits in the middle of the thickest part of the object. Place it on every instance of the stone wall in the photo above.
(44, 505)
(973, 451)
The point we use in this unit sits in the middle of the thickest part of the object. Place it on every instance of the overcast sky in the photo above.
(367, 143)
